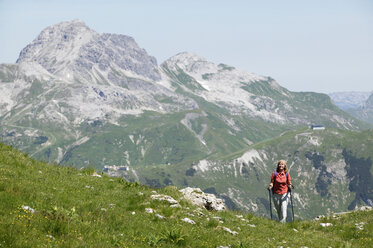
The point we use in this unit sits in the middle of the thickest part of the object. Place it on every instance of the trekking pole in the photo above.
(291, 201)
(270, 202)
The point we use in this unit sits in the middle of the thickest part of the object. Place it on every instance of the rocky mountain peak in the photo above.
(57, 45)
(72, 50)
(189, 62)
(120, 52)
(202, 69)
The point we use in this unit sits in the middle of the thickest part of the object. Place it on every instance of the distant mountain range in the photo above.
(349, 99)
(358, 104)
(76, 97)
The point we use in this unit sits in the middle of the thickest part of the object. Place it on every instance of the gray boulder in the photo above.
(199, 198)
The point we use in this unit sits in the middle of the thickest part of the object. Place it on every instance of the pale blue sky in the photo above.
(319, 45)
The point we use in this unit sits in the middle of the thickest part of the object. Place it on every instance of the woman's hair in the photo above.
(284, 163)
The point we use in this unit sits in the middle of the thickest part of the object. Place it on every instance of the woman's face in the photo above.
(281, 166)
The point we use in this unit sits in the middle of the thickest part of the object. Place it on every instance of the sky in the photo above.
(320, 45)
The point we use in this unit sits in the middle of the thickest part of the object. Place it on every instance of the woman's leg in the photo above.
(284, 207)
(277, 203)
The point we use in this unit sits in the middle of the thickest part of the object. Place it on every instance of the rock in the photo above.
(230, 231)
(199, 212)
(164, 198)
(29, 209)
(187, 220)
(96, 175)
(199, 198)
(326, 224)
(149, 210)
(175, 206)
(360, 225)
(319, 217)
(160, 216)
(365, 208)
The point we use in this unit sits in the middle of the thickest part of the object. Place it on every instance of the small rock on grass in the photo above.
(326, 224)
(29, 209)
(160, 216)
(149, 210)
(187, 220)
(230, 231)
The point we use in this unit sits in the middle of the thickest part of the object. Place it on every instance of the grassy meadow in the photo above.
(45, 205)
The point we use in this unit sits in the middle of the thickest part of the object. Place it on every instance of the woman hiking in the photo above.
(280, 184)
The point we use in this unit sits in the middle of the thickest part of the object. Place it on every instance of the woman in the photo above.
(281, 182)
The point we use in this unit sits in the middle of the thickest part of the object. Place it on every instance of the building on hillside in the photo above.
(317, 127)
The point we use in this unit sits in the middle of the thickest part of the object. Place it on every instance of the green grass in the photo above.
(75, 209)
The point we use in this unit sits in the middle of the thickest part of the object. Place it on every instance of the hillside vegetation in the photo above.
(44, 205)
(332, 170)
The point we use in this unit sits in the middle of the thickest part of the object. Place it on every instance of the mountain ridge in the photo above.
(85, 91)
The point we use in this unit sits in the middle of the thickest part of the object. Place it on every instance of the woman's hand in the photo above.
(270, 187)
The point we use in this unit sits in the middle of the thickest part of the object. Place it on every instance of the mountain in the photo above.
(350, 99)
(365, 111)
(331, 170)
(58, 206)
(88, 99)
(246, 94)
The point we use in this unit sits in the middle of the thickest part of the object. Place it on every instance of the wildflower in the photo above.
(49, 236)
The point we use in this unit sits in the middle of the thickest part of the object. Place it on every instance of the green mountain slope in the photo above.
(43, 205)
(331, 169)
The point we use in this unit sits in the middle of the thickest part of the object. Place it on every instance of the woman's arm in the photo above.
(289, 182)
(271, 183)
